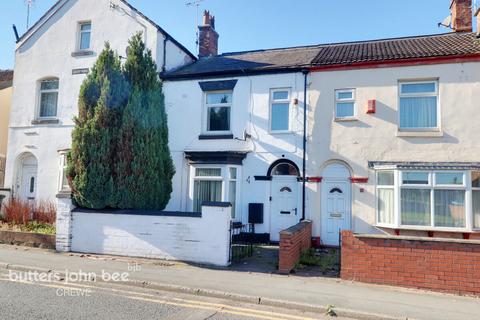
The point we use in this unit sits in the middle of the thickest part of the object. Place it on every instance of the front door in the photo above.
(29, 182)
(335, 211)
(284, 202)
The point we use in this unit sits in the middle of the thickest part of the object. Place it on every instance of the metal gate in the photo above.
(243, 239)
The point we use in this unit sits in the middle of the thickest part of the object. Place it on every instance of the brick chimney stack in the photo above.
(461, 15)
(208, 37)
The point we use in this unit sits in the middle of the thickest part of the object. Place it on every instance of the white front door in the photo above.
(29, 182)
(284, 211)
(336, 211)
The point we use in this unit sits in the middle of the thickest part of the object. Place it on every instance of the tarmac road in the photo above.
(56, 300)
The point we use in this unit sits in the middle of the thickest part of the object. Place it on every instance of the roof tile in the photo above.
(286, 59)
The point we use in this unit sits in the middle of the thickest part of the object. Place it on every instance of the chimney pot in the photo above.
(461, 11)
(207, 37)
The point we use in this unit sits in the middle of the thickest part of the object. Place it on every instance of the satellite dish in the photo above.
(446, 22)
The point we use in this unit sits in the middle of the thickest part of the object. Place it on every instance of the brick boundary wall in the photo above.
(446, 265)
(293, 241)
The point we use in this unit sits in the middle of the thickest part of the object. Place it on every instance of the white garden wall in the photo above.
(195, 237)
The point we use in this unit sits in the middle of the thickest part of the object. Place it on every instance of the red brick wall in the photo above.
(293, 241)
(441, 266)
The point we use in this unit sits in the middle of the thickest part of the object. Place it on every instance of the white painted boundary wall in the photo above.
(181, 236)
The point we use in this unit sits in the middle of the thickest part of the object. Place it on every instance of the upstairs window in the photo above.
(280, 110)
(418, 105)
(218, 105)
(48, 98)
(84, 36)
(344, 104)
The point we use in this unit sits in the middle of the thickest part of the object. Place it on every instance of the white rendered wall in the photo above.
(204, 239)
(48, 53)
(250, 113)
(375, 137)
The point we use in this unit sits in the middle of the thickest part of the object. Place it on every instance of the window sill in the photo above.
(215, 137)
(420, 134)
(345, 119)
(281, 132)
(45, 121)
(82, 53)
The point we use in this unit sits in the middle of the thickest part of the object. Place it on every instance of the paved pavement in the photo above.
(348, 298)
(57, 300)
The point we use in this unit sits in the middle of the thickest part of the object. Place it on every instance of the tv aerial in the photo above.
(195, 3)
(29, 4)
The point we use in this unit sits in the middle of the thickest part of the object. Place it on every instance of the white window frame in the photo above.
(473, 189)
(62, 168)
(79, 35)
(205, 108)
(272, 101)
(340, 100)
(415, 95)
(466, 186)
(224, 178)
(39, 98)
(393, 187)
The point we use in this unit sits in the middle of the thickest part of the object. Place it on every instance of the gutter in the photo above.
(164, 62)
(228, 73)
(304, 160)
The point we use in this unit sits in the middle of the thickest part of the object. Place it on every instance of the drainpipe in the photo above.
(164, 62)
(304, 177)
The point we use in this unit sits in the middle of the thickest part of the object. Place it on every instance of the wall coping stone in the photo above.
(139, 212)
(294, 229)
(216, 204)
(64, 195)
(413, 238)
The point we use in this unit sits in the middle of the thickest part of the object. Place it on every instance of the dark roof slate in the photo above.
(292, 59)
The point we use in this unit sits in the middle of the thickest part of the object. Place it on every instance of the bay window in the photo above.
(448, 200)
(214, 184)
(418, 106)
(385, 197)
(218, 110)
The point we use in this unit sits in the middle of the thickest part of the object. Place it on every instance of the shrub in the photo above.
(45, 212)
(39, 227)
(16, 211)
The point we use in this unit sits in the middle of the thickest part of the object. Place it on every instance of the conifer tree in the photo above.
(102, 98)
(143, 166)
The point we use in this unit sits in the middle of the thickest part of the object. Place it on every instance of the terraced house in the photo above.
(391, 134)
(371, 136)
